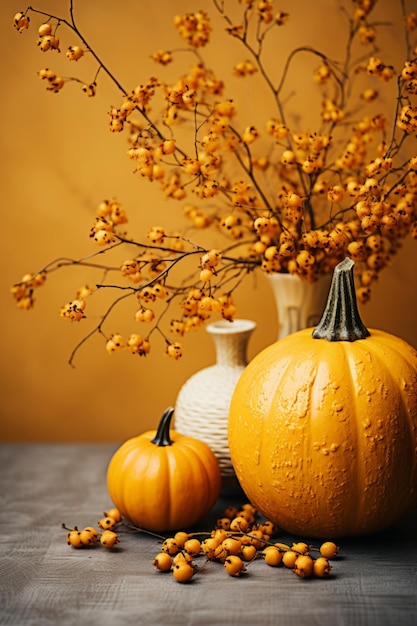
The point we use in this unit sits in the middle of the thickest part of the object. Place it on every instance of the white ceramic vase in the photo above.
(202, 405)
(300, 304)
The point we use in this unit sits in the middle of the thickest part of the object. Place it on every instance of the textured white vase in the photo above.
(300, 304)
(202, 405)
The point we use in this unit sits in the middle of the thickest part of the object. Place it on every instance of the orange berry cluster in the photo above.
(89, 535)
(109, 216)
(48, 41)
(21, 21)
(236, 541)
(279, 197)
(194, 28)
(23, 291)
(139, 345)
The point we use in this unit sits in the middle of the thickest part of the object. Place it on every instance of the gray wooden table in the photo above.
(45, 582)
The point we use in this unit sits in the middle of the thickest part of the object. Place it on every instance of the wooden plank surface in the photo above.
(44, 582)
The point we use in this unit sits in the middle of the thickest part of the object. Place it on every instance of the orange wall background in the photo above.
(58, 162)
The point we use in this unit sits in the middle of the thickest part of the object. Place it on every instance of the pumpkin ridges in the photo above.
(179, 499)
(398, 425)
(135, 454)
(358, 353)
(361, 510)
(203, 499)
(263, 425)
(154, 488)
(317, 494)
(207, 464)
(265, 436)
(403, 367)
(358, 508)
(328, 446)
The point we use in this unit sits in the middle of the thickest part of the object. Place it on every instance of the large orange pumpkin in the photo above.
(323, 425)
(162, 480)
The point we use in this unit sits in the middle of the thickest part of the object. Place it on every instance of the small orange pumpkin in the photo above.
(323, 425)
(162, 480)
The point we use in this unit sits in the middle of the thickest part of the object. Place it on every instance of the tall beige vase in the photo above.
(300, 304)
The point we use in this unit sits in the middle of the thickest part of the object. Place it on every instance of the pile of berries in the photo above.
(88, 536)
(236, 541)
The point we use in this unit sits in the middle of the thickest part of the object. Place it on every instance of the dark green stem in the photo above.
(341, 320)
(162, 437)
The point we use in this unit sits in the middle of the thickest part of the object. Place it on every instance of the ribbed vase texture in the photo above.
(202, 406)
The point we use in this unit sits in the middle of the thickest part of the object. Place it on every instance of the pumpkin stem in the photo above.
(162, 437)
(341, 320)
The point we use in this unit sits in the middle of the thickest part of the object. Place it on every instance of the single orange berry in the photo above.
(304, 566)
(192, 547)
(272, 556)
(180, 538)
(248, 553)
(107, 523)
(182, 571)
(321, 567)
(329, 549)
(232, 545)
(239, 523)
(74, 538)
(301, 547)
(170, 546)
(109, 539)
(234, 565)
(115, 514)
(163, 561)
(289, 558)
